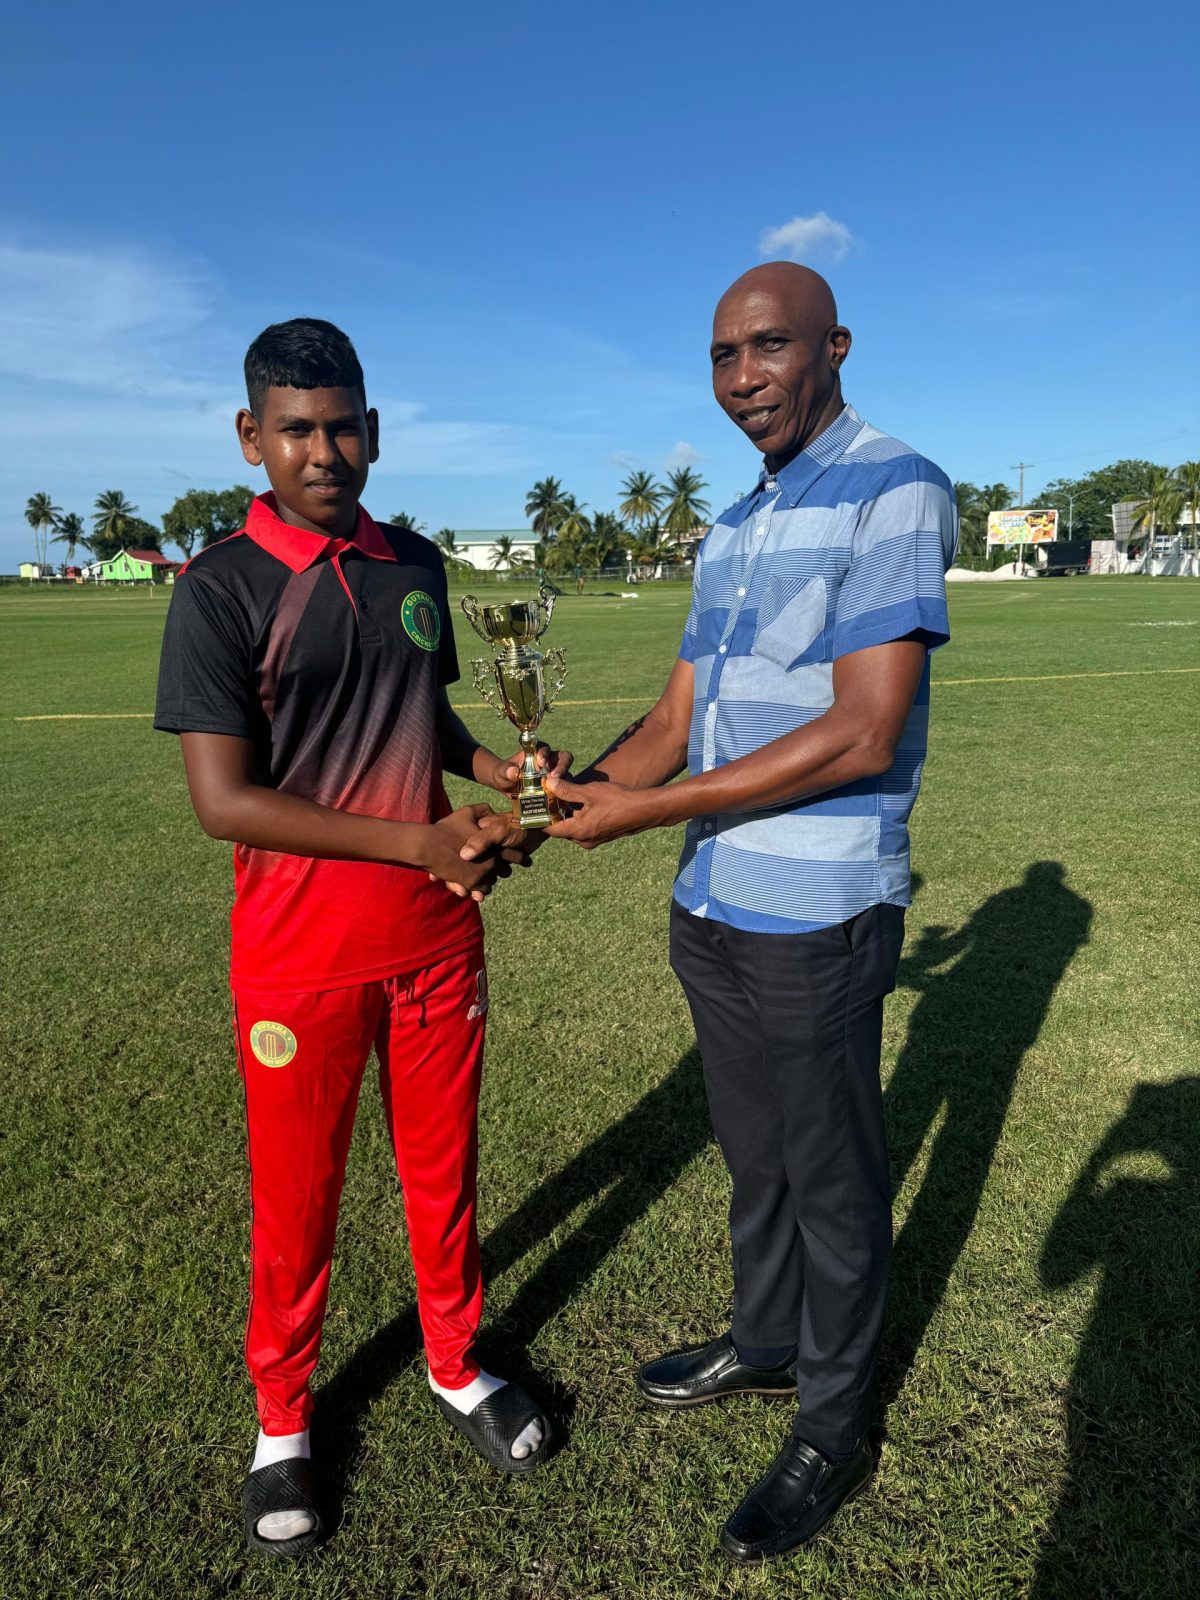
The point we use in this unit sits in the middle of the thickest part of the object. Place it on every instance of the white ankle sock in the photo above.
(465, 1400)
(270, 1449)
(273, 1447)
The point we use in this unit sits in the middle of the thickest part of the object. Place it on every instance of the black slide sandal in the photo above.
(495, 1423)
(283, 1486)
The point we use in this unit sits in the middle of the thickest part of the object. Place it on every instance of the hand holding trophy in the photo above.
(521, 683)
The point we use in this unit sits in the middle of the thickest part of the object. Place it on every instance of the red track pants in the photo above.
(302, 1058)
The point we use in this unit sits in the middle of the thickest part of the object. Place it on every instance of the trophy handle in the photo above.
(554, 666)
(485, 682)
(472, 611)
(547, 594)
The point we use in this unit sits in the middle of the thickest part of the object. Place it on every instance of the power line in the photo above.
(1077, 455)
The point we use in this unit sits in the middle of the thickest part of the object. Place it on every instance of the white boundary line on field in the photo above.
(480, 705)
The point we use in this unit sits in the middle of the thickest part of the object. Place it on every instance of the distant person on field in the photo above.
(305, 666)
(801, 701)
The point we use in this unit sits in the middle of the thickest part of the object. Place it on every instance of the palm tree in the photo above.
(643, 497)
(573, 527)
(654, 546)
(502, 552)
(685, 509)
(112, 523)
(1188, 476)
(72, 531)
(1161, 508)
(41, 513)
(992, 497)
(608, 536)
(972, 521)
(544, 506)
(408, 523)
(447, 542)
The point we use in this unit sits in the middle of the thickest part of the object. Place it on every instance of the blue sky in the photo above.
(523, 216)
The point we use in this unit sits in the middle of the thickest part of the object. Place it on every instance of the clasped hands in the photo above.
(489, 844)
(594, 814)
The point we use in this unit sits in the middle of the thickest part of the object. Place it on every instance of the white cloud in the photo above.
(680, 455)
(805, 237)
(417, 446)
(105, 317)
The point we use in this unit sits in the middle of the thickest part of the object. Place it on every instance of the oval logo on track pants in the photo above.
(272, 1043)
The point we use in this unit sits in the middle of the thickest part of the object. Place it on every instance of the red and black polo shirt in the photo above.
(329, 655)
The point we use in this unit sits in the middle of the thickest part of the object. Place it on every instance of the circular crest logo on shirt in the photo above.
(272, 1043)
(422, 620)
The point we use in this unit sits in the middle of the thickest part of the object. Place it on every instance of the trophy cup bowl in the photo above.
(521, 683)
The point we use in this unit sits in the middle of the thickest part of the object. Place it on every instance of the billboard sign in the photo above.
(1021, 527)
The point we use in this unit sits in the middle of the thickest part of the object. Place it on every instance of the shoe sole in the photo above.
(786, 1550)
(707, 1399)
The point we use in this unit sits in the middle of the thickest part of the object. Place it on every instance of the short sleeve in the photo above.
(688, 645)
(205, 675)
(905, 538)
(447, 653)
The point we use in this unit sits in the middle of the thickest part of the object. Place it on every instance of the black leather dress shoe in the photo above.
(793, 1501)
(707, 1372)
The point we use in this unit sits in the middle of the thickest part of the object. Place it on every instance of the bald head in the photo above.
(777, 352)
(804, 292)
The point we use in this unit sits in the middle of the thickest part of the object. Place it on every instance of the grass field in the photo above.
(1039, 1420)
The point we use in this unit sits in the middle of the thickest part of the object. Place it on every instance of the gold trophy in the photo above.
(521, 684)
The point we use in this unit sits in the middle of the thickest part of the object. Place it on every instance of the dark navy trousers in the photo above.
(789, 1028)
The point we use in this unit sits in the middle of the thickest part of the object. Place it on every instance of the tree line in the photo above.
(199, 517)
(648, 527)
(1159, 494)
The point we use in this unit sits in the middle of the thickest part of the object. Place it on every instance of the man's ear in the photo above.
(249, 437)
(372, 435)
(839, 345)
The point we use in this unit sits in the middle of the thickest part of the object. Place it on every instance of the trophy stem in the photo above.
(532, 806)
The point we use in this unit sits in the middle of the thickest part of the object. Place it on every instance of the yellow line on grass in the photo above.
(86, 716)
(1059, 677)
(641, 700)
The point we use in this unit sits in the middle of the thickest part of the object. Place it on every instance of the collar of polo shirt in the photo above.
(298, 547)
(794, 480)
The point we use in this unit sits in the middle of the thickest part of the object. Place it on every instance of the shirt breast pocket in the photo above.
(791, 623)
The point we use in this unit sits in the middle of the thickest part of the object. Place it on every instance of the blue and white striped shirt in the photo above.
(846, 547)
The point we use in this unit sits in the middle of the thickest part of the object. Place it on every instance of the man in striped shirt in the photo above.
(799, 705)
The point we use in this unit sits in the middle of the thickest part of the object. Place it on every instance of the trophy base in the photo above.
(535, 808)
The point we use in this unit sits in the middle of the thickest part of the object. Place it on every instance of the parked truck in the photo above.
(1062, 558)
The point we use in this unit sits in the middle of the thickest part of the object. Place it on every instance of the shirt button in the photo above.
(741, 594)
(721, 649)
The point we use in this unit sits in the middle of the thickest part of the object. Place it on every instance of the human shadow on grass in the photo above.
(631, 1164)
(1127, 1520)
(969, 1031)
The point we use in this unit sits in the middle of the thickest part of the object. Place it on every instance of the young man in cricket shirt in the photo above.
(304, 667)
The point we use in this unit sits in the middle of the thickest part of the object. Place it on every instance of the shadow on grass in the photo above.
(967, 1035)
(632, 1164)
(1128, 1518)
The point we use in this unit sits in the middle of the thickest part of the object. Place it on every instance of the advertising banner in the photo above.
(1021, 527)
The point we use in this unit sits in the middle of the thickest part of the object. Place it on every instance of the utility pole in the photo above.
(1020, 467)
